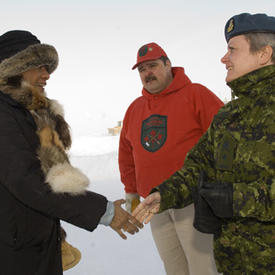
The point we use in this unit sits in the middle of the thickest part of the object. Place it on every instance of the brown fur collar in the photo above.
(55, 139)
(30, 97)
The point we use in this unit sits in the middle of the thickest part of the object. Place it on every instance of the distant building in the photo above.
(115, 130)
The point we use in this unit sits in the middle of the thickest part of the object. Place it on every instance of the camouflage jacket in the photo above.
(239, 147)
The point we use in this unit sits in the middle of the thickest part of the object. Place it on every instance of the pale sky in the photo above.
(97, 42)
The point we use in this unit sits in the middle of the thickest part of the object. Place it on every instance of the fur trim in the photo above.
(46, 118)
(29, 96)
(32, 57)
(64, 178)
(38, 99)
(61, 126)
(63, 130)
(54, 134)
(50, 156)
(56, 107)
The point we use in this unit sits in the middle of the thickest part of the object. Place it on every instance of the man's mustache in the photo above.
(150, 78)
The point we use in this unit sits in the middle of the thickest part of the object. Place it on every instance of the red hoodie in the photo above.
(159, 129)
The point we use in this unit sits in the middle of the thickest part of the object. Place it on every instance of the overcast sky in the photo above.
(97, 42)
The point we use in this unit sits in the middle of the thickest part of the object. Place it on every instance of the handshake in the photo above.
(131, 220)
(123, 220)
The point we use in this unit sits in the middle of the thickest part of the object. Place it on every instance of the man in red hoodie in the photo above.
(159, 128)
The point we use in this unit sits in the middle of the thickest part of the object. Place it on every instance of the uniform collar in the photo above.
(255, 83)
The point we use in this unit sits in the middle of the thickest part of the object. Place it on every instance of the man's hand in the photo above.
(123, 220)
(148, 207)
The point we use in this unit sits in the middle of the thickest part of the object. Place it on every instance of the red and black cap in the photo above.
(150, 51)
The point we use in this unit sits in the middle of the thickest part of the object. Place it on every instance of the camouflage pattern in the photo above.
(239, 148)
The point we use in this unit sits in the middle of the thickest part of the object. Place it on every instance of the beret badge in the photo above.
(230, 26)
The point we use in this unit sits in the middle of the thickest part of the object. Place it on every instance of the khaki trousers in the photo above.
(183, 249)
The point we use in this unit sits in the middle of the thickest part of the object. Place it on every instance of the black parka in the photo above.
(29, 210)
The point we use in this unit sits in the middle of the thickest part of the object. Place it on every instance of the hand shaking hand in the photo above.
(147, 208)
(122, 220)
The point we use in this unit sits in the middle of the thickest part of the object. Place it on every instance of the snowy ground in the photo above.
(103, 251)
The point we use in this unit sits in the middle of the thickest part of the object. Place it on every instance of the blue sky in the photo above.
(97, 43)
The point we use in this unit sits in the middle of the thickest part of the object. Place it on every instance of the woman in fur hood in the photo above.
(38, 185)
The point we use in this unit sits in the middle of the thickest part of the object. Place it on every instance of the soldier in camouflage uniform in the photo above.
(229, 174)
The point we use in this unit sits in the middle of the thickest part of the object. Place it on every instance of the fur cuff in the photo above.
(64, 178)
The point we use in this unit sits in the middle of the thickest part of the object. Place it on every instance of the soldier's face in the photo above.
(155, 75)
(238, 59)
(37, 77)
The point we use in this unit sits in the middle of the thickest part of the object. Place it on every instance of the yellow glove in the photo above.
(132, 201)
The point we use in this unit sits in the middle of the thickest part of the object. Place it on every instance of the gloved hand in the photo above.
(219, 196)
(204, 219)
(132, 201)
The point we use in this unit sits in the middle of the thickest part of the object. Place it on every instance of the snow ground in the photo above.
(103, 251)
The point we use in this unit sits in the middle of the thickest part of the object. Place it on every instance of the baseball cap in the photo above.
(150, 51)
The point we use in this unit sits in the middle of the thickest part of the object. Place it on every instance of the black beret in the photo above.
(246, 23)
